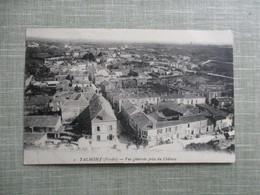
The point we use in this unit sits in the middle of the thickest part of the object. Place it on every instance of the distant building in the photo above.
(81, 83)
(100, 76)
(38, 104)
(222, 102)
(209, 87)
(106, 86)
(212, 95)
(184, 99)
(140, 99)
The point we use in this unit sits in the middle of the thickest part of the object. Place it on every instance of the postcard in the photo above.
(116, 96)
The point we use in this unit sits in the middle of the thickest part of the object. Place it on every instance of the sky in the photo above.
(132, 36)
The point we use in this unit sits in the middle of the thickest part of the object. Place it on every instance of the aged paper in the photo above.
(97, 96)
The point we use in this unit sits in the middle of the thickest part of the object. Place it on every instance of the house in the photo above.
(42, 123)
(222, 102)
(215, 87)
(37, 104)
(106, 86)
(38, 126)
(100, 76)
(52, 83)
(219, 118)
(171, 110)
(154, 129)
(58, 99)
(184, 99)
(212, 94)
(177, 129)
(135, 117)
(103, 120)
(73, 106)
(140, 99)
(81, 83)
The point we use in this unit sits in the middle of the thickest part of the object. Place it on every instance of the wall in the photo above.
(242, 16)
(104, 130)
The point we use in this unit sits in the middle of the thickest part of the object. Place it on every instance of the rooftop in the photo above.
(41, 121)
(100, 109)
(180, 96)
(213, 110)
(182, 120)
(76, 100)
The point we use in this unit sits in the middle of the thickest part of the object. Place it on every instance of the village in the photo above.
(125, 96)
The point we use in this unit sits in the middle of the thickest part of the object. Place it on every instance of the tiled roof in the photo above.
(142, 121)
(157, 115)
(100, 109)
(105, 83)
(41, 121)
(213, 110)
(180, 96)
(88, 95)
(192, 118)
(192, 96)
(173, 96)
(76, 100)
(127, 104)
(104, 116)
(219, 117)
(38, 100)
(182, 120)
(94, 106)
(137, 96)
(81, 82)
(176, 107)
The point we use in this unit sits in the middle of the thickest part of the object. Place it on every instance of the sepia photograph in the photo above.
(115, 96)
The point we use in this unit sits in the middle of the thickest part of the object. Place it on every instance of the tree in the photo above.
(90, 57)
(77, 89)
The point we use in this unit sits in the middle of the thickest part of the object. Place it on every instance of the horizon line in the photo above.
(197, 37)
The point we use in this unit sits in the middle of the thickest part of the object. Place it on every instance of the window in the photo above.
(39, 129)
(144, 133)
(176, 128)
(189, 125)
(28, 130)
(98, 128)
(49, 129)
(110, 137)
(159, 131)
(110, 127)
(98, 138)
